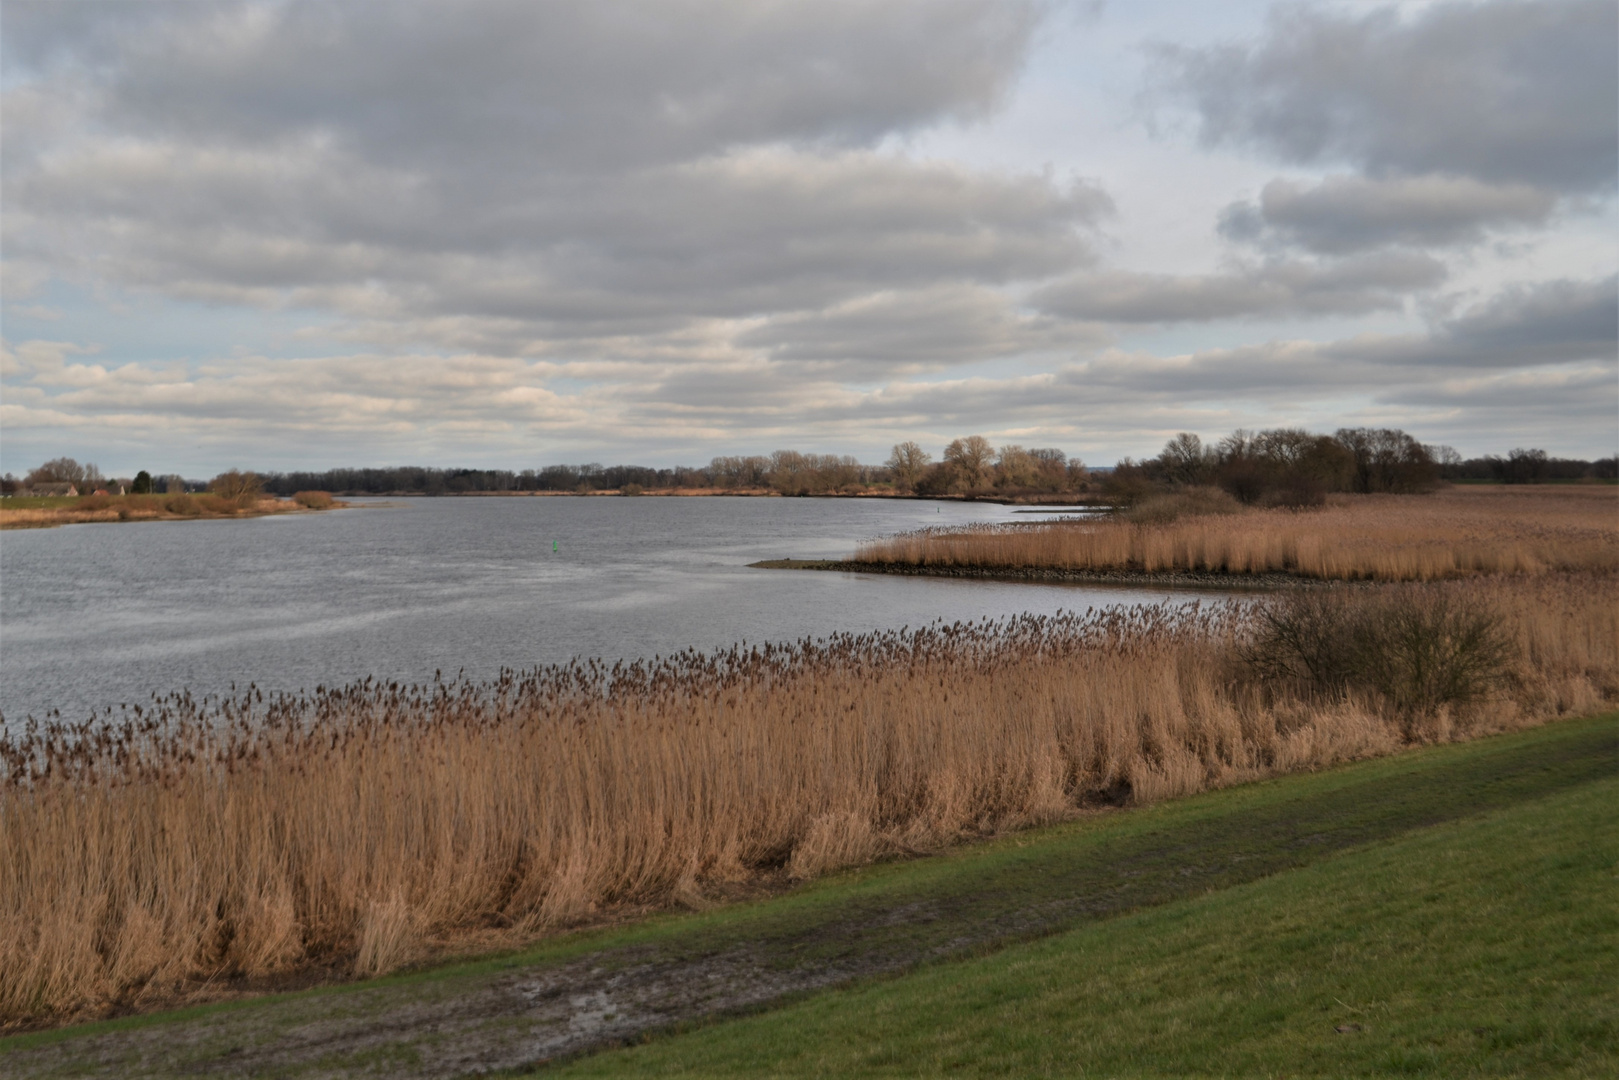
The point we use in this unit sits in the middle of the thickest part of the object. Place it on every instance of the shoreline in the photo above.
(1178, 579)
(57, 516)
(1080, 501)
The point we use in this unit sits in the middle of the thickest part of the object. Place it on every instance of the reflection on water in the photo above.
(95, 615)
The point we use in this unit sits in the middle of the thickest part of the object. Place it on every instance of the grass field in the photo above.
(1455, 903)
(1488, 947)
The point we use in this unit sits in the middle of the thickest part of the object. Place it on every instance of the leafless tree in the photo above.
(908, 462)
(971, 457)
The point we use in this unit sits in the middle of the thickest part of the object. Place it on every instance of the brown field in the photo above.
(45, 513)
(1456, 532)
(161, 854)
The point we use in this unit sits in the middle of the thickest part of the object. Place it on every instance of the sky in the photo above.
(507, 234)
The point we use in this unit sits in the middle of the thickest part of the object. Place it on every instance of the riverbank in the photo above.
(1047, 575)
(434, 820)
(1079, 501)
(49, 512)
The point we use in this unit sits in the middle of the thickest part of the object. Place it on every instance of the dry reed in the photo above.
(1457, 532)
(364, 827)
(107, 508)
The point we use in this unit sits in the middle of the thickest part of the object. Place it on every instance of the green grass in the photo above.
(1488, 947)
(1230, 967)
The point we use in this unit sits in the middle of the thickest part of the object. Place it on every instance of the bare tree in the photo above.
(909, 461)
(236, 485)
(1183, 459)
(1015, 467)
(971, 457)
(62, 470)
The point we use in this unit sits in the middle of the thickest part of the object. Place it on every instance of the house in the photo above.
(53, 489)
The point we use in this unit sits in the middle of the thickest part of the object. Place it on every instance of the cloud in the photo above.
(1500, 92)
(525, 178)
(1523, 326)
(912, 331)
(1344, 214)
(503, 82)
(1280, 287)
(1549, 346)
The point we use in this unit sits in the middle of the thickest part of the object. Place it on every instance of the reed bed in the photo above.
(148, 854)
(1457, 532)
(108, 508)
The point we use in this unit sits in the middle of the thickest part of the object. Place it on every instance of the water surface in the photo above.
(95, 615)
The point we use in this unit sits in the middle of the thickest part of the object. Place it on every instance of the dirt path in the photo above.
(522, 1013)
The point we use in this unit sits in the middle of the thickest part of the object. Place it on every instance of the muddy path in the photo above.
(521, 1012)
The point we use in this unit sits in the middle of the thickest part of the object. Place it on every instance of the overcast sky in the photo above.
(280, 235)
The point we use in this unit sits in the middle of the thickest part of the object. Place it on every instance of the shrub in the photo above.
(313, 500)
(184, 505)
(1187, 502)
(220, 504)
(1420, 649)
(94, 502)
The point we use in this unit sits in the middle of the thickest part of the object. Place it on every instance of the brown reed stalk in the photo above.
(1456, 533)
(371, 824)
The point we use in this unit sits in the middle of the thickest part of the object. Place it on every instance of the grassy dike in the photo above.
(1484, 947)
(1451, 909)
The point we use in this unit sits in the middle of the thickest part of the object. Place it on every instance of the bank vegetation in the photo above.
(184, 848)
(231, 494)
(1456, 532)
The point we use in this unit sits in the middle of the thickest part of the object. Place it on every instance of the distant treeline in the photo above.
(969, 466)
(1293, 467)
(1283, 466)
(1527, 467)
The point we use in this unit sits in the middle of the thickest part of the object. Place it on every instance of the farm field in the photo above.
(1443, 906)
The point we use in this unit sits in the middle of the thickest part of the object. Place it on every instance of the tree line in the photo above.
(1293, 467)
(1280, 466)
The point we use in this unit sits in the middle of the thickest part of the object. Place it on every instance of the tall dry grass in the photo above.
(362, 827)
(1457, 532)
(108, 508)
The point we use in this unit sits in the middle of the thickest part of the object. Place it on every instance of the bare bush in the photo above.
(237, 486)
(1418, 649)
(313, 500)
(1185, 503)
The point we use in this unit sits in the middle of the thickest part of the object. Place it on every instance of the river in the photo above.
(92, 616)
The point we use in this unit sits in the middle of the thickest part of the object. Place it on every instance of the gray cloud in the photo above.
(1281, 287)
(686, 227)
(1546, 351)
(501, 81)
(510, 176)
(1501, 92)
(920, 330)
(1523, 326)
(1345, 214)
